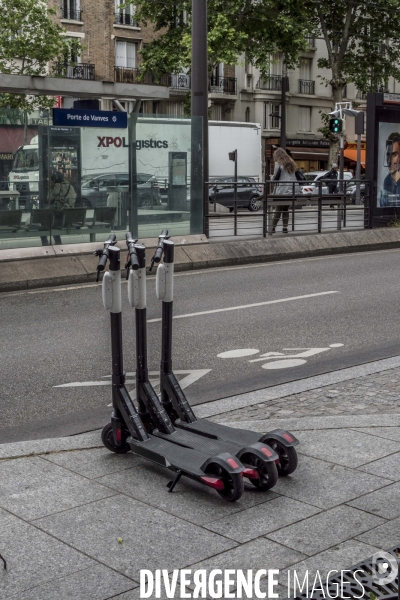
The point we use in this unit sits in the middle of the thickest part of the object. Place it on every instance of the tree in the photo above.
(256, 27)
(31, 43)
(361, 41)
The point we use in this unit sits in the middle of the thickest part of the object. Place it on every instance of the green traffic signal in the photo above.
(335, 125)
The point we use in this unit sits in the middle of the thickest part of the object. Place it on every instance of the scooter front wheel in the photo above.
(233, 482)
(107, 437)
(267, 471)
(287, 457)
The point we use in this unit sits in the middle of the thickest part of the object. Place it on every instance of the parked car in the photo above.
(351, 191)
(94, 190)
(248, 192)
(311, 187)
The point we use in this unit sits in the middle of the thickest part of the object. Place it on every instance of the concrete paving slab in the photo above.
(344, 447)
(33, 557)
(190, 500)
(387, 467)
(12, 278)
(32, 488)
(384, 536)
(307, 423)
(325, 484)
(327, 529)
(37, 447)
(262, 519)
(151, 537)
(94, 463)
(257, 554)
(135, 594)
(44, 272)
(338, 557)
(95, 583)
(384, 502)
(387, 433)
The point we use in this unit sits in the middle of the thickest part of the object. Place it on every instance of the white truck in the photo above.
(105, 151)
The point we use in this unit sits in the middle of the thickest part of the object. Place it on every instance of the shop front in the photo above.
(310, 155)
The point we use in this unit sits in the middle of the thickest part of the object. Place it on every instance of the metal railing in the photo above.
(311, 42)
(306, 86)
(121, 18)
(361, 95)
(271, 83)
(179, 81)
(132, 75)
(223, 85)
(76, 71)
(317, 212)
(71, 13)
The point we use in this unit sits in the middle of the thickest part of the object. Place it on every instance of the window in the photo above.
(304, 118)
(125, 55)
(305, 69)
(125, 13)
(175, 109)
(216, 112)
(276, 65)
(71, 9)
(249, 79)
(247, 115)
(272, 113)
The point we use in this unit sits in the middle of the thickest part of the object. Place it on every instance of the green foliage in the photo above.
(256, 27)
(31, 43)
(361, 41)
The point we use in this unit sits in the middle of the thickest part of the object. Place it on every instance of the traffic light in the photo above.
(335, 125)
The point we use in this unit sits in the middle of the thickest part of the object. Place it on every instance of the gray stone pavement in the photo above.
(65, 502)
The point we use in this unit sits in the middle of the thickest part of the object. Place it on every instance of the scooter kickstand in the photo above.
(173, 483)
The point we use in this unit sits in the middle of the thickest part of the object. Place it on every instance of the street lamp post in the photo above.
(199, 104)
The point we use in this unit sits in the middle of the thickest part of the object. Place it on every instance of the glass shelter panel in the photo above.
(66, 185)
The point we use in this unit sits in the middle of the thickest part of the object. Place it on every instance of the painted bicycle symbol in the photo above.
(278, 360)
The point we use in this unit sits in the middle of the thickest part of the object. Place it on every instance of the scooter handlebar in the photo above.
(132, 260)
(103, 254)
(160, 248)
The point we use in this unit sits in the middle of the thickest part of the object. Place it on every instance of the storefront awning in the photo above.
(351, 154)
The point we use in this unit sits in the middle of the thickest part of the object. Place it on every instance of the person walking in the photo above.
(332, 176)
(285, 174)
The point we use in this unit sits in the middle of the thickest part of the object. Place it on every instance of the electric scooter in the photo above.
(172, 396)
(127, 430)
(257, 458)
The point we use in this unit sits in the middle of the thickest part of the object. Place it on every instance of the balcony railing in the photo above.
(179, 81)
(306, 86)
(271, 83)
(76, 71)
(361, 95)
(310, 42)
(70, 13)
(223, 85)
(121, 18)
(134, 75)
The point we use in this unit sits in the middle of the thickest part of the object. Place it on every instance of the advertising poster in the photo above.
(388, 175)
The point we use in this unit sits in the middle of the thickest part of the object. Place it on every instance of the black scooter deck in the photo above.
(187, 438)
(170, 455)
(210, 430)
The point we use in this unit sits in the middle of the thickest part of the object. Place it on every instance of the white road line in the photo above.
(218, 310)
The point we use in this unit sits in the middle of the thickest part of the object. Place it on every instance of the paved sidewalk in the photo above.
(65, 502)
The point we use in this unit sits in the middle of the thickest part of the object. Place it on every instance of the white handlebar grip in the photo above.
(161, 283)
(107, 291)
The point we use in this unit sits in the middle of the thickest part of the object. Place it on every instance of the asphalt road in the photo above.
(61, 336)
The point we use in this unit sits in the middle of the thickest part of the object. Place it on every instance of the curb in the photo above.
(30, 268)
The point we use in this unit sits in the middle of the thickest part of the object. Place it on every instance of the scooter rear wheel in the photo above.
(233, 482)
(107, 437)
(287, 457)
(268, 473)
